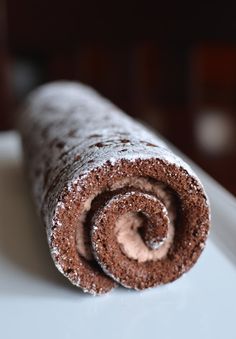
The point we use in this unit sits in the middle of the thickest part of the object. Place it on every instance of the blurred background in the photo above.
(171, 64)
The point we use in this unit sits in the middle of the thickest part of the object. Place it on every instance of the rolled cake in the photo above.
(118, 206)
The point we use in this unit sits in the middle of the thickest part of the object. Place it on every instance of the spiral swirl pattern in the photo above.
(118, 205)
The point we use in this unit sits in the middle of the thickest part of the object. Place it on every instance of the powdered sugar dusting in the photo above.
(69, 132)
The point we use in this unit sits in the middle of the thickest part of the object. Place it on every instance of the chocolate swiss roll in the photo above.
(118, 206)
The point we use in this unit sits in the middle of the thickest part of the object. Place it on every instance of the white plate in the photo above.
(37, 302)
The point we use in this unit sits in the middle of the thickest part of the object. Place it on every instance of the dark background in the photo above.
(171, 64)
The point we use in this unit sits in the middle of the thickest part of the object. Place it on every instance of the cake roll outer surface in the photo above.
(118, 206)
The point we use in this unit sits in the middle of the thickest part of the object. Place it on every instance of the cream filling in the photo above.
(132, 244)
(127, 226)
(83, 245)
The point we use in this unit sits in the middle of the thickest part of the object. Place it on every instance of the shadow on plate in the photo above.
(23, 243)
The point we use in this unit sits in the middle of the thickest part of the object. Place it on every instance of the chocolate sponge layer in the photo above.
(118, 205)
